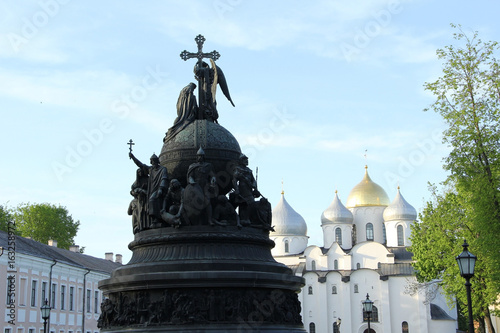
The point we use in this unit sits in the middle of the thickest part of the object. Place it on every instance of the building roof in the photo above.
(36, 249)
(401, 253)
(437, 313)
(367, 193)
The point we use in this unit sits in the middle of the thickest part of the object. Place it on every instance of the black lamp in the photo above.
(45, 309)
(368, 308)
(466, 264)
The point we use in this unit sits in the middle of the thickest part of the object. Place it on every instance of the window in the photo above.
(96, 301)
(31, 330)
(401, 241)
(22, 291)
(336, 328)
(44, 293)
(354, 235)
(310, 290)
(63, 294)
(71, 298)
(358, 265)
(313, 265)
(404, 327)
(53, 296)
(356, 289)
(335, 264)
(334, 289)
(88, 300)
(7, 330)
(384, 233)
(287, 246)
(33, 292)
(369, 232)
(312, 328)
(373, 315)
(79, 300)
(338, 236)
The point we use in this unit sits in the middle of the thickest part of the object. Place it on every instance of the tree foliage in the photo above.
(45, 221)
(5, 218)
(468, 100)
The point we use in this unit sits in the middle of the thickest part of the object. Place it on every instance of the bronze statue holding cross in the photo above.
(208, 78)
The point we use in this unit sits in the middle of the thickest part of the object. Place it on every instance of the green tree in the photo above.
(45, 221)
(5, 217)
(468, 100)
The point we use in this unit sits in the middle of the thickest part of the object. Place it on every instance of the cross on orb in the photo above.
(185, 55)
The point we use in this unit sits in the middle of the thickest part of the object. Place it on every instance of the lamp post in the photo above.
(368, 307)
(45, 309)
(466, 264)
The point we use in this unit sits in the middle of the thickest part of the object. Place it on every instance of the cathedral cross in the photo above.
(200, 55)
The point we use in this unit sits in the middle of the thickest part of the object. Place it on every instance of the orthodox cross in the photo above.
(200, 55)
(185, 55)
(130, 143)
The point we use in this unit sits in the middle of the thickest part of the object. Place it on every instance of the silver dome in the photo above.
(287, 221)
(400, 209)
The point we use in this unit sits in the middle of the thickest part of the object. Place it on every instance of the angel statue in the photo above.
(208, 79)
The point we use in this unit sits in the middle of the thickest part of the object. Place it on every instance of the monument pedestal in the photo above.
(202, 279)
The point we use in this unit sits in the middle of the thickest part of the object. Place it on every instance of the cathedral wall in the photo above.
(391, 228)
(363, 216)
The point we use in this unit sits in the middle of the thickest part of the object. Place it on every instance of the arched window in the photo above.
(358, 265)
(338, 236)
(335, 264)
(373, 315)
(336, 328)
(404, 327)
(369, 232)
(310, 290)
(287, 246)
(401, 240)
(312, 328)
(356, 289)
(313, 265)
(334, 289)
(384, 233)
(354, 235)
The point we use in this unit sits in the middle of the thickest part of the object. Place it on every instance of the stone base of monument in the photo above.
(202, 279)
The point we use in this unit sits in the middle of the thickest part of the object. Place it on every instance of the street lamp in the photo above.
(466, 263)
(45, 309)
(368, 307)
(337, 327)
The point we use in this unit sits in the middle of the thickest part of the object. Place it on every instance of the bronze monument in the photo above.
(201, 257)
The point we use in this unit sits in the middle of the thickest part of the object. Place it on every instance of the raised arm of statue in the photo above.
(136, 161)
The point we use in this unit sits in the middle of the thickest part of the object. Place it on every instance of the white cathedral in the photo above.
(364, 253)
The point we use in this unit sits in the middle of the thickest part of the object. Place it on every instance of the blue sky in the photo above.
(317, 86)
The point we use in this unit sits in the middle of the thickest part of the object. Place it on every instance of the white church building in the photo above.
(364, 252)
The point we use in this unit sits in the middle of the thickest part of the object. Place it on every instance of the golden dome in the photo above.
(367, 193)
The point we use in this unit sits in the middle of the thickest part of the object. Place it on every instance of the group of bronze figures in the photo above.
(163, 202)
(192, 306)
